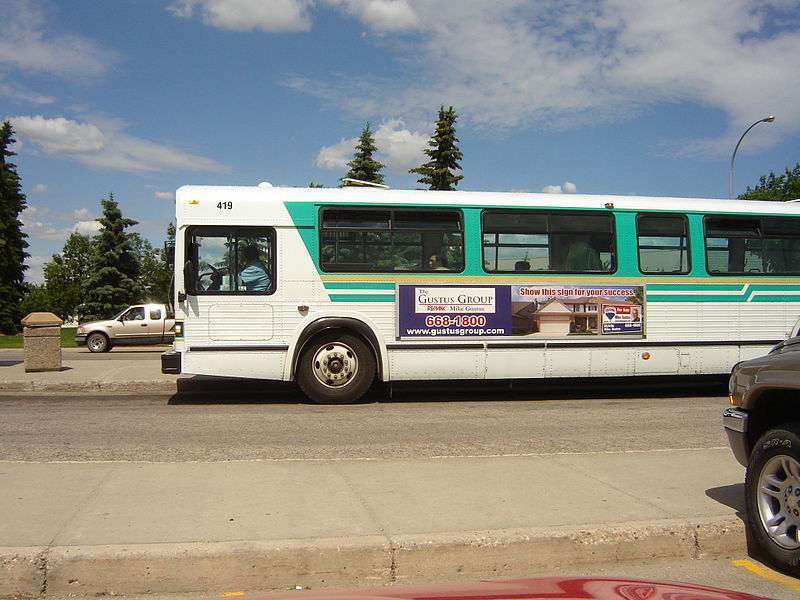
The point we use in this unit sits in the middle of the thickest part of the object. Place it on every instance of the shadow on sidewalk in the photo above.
(729, 495)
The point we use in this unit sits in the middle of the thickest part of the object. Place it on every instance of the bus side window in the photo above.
(548, 241)
(390, 239)
(663, 243)
(230, 259)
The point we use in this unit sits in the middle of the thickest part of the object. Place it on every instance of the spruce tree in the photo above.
(113, 282)
(12, 239)
(363, 166)
(439, 172)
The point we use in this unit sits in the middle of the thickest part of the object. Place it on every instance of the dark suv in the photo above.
(763, 427)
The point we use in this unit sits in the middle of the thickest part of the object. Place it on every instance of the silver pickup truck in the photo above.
(141, 324)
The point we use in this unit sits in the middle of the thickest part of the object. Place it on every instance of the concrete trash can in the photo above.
(41, 339)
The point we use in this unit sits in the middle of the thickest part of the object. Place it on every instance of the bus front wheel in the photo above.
(336, 368)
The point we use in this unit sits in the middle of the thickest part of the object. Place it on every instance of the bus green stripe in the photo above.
(362, 297)
(723, 298)
(358, 285)
(695, 287)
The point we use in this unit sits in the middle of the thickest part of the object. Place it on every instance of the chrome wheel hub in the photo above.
(335, 364)
(779, 501)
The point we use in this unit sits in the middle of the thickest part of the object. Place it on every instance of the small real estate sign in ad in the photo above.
(537, 311)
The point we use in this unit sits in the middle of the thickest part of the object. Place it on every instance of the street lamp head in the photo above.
(768, 119)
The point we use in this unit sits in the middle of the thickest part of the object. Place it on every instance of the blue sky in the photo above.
(139, 97)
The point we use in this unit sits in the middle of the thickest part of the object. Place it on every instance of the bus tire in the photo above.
(98, 342)
(772, 496)
(336, 367)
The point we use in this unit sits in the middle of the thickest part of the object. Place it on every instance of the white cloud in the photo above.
(381, 15)
(398, 148)
(35, 272)
(27, 43)
(567, 188)
(521, 64)
(245, 15)
(82, 214)
(569, 63)
(337, 156)
(164, 195)
(86, 227)
(60, 136)
(105, 146)
(21, 94)
(46, 224)
(40, 188)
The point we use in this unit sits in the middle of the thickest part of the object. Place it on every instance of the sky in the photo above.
(140, 97)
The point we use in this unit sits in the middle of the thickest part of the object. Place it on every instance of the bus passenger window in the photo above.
(663, 242)
(390, 239)
(548, 241)
(760, 245)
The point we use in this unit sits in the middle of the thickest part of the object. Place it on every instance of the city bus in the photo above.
(357, 285)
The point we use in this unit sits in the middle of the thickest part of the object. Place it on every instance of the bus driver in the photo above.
(254, 276)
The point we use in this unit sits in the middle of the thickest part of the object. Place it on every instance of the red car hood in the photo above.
(563, 588)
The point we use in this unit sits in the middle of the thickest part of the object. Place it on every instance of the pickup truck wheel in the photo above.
(336, 368)
(772, 496)
(98, 342)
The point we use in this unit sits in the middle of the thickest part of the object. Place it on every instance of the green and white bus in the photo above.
(364, 284)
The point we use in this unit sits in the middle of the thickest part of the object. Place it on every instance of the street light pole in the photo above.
(768, 119)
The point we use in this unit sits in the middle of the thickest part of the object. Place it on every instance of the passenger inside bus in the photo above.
(436, 263)
(581, 256)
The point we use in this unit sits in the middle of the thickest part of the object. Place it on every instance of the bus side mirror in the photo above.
(169, 253)
(189, 276)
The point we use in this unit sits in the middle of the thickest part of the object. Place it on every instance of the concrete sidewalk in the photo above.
(129, 528)
(133, 369)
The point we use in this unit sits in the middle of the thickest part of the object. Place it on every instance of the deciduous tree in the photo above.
(156, 272)
(65, 275)
(776, 187)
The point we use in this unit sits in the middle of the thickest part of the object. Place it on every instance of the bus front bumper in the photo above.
(171, 363)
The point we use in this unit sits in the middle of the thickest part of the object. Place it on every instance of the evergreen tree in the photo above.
(65, 275)
(776, 187)
(113, 282)
(439, 172)
(363, 167)
(12, 239)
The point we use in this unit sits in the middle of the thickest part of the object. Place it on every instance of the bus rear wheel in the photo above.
(336, 368)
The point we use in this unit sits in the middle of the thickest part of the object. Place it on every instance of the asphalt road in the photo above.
(164, 428)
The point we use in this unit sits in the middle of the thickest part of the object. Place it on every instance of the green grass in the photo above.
(15, 341)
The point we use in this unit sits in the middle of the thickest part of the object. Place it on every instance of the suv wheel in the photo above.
(772, 496)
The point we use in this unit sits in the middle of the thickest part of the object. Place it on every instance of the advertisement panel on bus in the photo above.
(541, 310)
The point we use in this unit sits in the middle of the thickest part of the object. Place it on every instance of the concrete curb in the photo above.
(205, 568)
